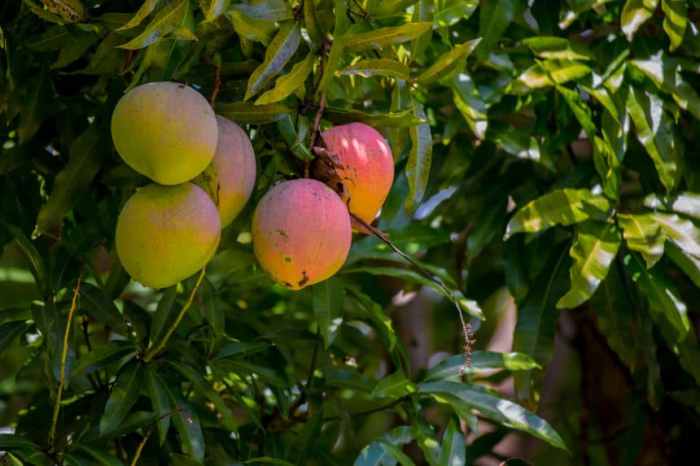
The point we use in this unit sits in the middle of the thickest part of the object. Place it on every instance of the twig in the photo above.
(217, 85)
(467, 332)
(64, 358)
(150, 354)
(139, 449)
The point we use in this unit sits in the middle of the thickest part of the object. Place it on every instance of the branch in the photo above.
(153, 352)
(64, 358)
(139, 449)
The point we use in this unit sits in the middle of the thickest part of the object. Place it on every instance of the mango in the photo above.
(167, 233)
(165, 131)
(230, 177)
(301, 233)
(359, 166)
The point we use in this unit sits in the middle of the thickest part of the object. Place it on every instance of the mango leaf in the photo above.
(124, 394)
(332, 64)
(470, 104)
(328, 299)
(453, 449)
(483, 362)
(102, 356)
(74, 48)
(555, 48)
(168, 20)
(278, 53)
(419, 161)
(188, 427)
(385, 36)
(559, 207)
(268, 10)
(655, 131)
(667, 309)
(665, 72)
(466, 397)
(311, 23)
(422, 12)
(244, 112)
(393, 386)
(520, 143)
(446, 62)
(216, 9)
(100, 456)
(534, 329)
(686, 262)
(11, 330)
(685, 203)
(289, 83)
(36, 262)
(86, 154)
(644, 235)
(160, 403)
(144, 10)
(494, 18)
(634, 14)
(204, 387)
(593, 251)
(675, 20)
(400, 119)
(450, 12)
(681, 231)
(580, 109)
(548, 73)
(377, 67)
(385, 451)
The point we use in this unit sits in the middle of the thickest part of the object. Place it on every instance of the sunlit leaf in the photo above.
(634, 14)
(278, 53)
(289, 83)
(386, 36)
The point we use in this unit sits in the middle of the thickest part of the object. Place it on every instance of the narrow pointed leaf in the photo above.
(675, 20)
(278, 53)
(386, 36)
(483, 362)
(124, 394)
(447, 62)
(593, 251)
(559, 207)
(419, 161)
(634, 14)
(144, 10)
(160, 402)
(643, 234)
(453, 450)
(289, 83)
(328, 299)
(378, 67)
(465, 397)
(166, 22)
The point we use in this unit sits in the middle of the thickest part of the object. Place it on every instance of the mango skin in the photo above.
(167, 233)
(230, 178)
(362, 169)
(301, 233)
(165, 131)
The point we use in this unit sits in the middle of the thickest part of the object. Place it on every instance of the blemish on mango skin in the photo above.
(304, 278)
(282, 233)
(288, 259)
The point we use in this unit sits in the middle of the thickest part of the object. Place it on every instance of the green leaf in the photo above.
(665, 73)
(685, 203)
(216, 9)
(332, 64)
(450, 12)
(453, 449)
(328, 299)
(278, 53)
(494, 18)
(393, 386)
(655, 131)
(188, 427)
(382, 453)
(100, 456)
(86, 154)
(465, 397)
(160, 402)
(168, 20)
(483, 362)
(124, 394)
(400, 119)
(385, 36)
(675, 20)
(667, 310)
(548, 73)
(36, 263)
(311, 22)
(144, 10)
(11, 330)
(244, 112)
(686, 262)
(634, 14)
(555, 48)
(559, 207)
(102, 356)
(470, 104)
(289, 83)
(204, 387)
(447, 62)
(377, 67)
(644, 235)
(419, 161)
(593, 251)
(268, 460)
(682, 232)
(534, 329)
(581, 111)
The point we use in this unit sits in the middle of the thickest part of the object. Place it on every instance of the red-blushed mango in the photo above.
(166, 131)
(301, 232)
(360, 167)
(230, 177)
(167, 233)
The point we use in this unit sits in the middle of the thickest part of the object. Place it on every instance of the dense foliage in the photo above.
(546, 155)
